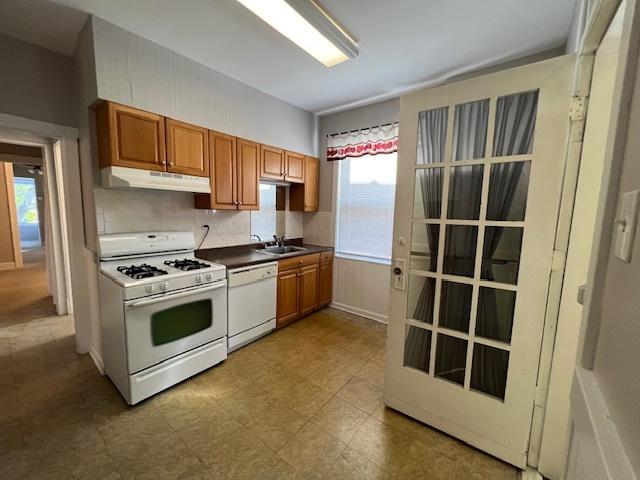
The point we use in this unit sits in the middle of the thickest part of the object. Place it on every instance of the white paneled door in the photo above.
(480, 172)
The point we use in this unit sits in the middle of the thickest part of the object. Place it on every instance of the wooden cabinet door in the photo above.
(222, 174)
(187, 148)
(325, 283)
(308, 289)
(288, 297)
(248, 175)
(311, 184)
(294, 167)
(271, 162)
(128, 137)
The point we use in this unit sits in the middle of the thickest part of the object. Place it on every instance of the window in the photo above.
(366, 195)
(264, 221)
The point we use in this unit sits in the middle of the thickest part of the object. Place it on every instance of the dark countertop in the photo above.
(246, 255)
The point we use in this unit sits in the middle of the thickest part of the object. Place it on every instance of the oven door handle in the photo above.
(164, 298)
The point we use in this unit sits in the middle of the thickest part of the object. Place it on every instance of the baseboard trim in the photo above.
(7, 265)
(97, 360)
(359, 311)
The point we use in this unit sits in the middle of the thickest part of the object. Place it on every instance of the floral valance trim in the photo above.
(364, 148)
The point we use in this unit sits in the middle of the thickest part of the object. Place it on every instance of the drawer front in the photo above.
(298, 262)
(326, 256)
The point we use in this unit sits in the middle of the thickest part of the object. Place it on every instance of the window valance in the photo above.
(370, 141)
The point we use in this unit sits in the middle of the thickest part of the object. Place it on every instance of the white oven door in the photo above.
(163, 326)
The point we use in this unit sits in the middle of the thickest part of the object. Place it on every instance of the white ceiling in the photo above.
(403, 42)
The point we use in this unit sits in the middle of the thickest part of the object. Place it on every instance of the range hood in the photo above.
(122, 177)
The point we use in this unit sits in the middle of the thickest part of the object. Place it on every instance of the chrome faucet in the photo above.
(279, 240)
(257, 236)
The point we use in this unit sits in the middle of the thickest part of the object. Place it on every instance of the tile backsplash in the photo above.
(119, 211)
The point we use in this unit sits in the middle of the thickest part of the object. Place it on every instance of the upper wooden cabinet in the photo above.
(128, 137)
(222, 174)
(272, 163)
(294, 167)
(304, 198)
(234, 174)
(248, 177)
(187, 148)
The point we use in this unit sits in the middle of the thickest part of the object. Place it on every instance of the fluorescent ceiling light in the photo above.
(308, 26)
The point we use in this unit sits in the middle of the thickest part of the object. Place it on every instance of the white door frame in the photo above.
(60, 148)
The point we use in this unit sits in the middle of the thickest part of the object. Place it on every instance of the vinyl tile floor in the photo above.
(302, 403)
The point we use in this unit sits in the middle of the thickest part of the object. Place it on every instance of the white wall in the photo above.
(36, 83)
(358, 286)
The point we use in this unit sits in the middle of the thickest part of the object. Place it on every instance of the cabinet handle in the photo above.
(171, 164)
(240, 203)
(163, 162)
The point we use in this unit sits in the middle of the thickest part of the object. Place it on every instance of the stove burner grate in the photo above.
(138, 272)
(186, 264)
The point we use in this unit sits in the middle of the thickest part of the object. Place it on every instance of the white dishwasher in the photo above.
(251, 303)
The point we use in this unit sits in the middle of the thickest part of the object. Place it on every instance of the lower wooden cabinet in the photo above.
(325, 282)
(303, 286)
(288, 305)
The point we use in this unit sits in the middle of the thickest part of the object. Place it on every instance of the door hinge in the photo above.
(540, 396)
(558, 260)
(578, 108)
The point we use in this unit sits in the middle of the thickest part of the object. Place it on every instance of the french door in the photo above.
(480, 170)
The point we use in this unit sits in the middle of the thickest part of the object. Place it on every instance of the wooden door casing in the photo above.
(248, 175)
(128, 137)
(294, 167)
(271, 163)
(187, 148)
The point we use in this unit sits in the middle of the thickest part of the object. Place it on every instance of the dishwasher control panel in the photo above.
(255, 273)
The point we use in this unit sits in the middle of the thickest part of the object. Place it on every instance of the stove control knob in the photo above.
(198, 278)
(149, 288)
(208, 277)
(164, 286)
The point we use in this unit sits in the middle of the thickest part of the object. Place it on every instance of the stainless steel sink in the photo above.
(281, 250)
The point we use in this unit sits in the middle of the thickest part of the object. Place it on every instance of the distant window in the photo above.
(26, 200)
(263, 221)
(366, 196)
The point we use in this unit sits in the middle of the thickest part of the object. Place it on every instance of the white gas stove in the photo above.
(163, 311)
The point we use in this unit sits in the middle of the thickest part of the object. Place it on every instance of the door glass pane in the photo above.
(508, 186)
(515, 124)
(427, 197)
(495, 314)
(460, 250)
(180, 321)
(465, 190)
(501, 254)
(470, 130)
(455, 306)
(432, 133)
(417, 348)
(451, 358)
(424, 247)
(420, 298)
(489, 370)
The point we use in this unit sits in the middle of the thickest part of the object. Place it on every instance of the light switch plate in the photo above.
(398, 279)
(626, 224)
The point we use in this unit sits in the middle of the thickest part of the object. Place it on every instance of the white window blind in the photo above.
(366, 195)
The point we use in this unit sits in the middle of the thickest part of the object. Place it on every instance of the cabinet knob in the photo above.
(240, 203)
(163, 162)
(171, 164)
